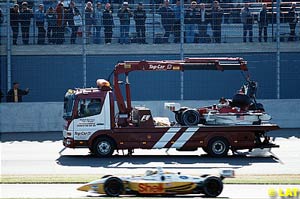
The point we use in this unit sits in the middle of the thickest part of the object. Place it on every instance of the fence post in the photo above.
(278, 48)
(8, 47)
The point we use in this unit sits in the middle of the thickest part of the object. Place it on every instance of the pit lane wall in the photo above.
(47, 116)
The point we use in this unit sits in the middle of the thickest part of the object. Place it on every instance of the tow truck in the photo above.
(92, 122)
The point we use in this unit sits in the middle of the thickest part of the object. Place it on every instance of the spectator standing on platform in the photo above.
(89, 20)
(14, 22)
(216, 21)
(25, 18)
(98, 22)
(15, 94)
(124, 15)
(293, 18)
(167, 19)
(39, 16)
(247, 21)
(203, 20)
(263, 23)
(60, 23)
(1, 22)
(177, 25)
(108, 23)
(140, 20)
(49, 3)
(51, 19)
(71, 15)
(190, 22)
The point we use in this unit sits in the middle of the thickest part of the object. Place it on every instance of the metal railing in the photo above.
(159, 25)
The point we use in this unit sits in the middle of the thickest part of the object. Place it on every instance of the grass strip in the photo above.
(80, 179)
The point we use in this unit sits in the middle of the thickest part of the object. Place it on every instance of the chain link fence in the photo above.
(75, 22)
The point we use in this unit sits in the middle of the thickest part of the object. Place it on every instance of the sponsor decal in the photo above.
(160, 67)
(284, 193)
(183, 177)
(86, 123)
(151, 188)
(83, 134)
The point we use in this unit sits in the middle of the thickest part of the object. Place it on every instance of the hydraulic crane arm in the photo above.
(167, 65)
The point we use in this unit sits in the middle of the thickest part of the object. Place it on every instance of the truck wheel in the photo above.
(178, 117)
(212, 186)
(218, 147)
(190, 117)
(103, 147)
(113, 186)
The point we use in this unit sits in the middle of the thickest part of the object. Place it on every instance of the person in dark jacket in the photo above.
(263, 23)
(108, 23)
(167, 19)
(124, 15)
(293, 18)
(51, 29)
(70, 13)
(190, 22)
(15, 94)
(1, 95)
(140, 20)
(14, 22)
(1, 22)
(39, 16)
(216, 21)
(25, 19)
(177, 25)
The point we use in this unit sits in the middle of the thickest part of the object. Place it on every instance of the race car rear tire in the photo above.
(113, 187)
(212, 186)
(190, 117)
(103, 147)
(218, 147)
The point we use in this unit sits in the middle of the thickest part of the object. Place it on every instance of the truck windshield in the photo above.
(68, 105)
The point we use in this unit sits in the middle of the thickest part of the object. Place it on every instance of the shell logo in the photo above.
(150, 188)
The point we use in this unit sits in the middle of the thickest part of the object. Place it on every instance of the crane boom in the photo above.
(220, 63)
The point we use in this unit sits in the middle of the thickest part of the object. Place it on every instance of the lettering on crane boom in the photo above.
(160, 67)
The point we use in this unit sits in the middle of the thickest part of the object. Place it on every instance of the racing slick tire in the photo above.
(190, 117)
(103, 147)
(212, 186)
(218, 147)
(113, 187)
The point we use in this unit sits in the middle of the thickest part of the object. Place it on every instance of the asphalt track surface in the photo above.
(38, 153)
(69, 191)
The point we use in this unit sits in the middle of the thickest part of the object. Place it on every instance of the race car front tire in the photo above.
(212, 186)
(113, 187)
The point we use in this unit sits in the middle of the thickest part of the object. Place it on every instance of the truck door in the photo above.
(93, 114)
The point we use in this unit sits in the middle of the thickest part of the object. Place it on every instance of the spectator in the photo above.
(52, 25)
(190, 22)
(108, 23)
(98, 16)
(14, 22)
(60, 23)
(25, 18)
(1, 95)
(203, 20)
(1, 22)
(71, 15)
(216, 21)
(293, 18)
(124, 15)
(247, 20)
(89, 19)
(15, 94)
(177, 25)
(49, 3)
(39, 16)
(140, 20)
(263, 23)
(167, 19)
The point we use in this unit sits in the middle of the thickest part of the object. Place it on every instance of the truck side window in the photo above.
(89, 107)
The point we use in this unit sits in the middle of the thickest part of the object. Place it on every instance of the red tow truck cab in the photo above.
(91, 122)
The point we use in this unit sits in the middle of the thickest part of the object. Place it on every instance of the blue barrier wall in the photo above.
(48, 77)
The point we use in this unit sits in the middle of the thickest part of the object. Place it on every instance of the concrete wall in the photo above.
(30, 117)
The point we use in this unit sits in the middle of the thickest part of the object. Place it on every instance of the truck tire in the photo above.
(218, 147)
(103, 147)
(113, 187)
(178, 117)
(212, 186)
(190, 117)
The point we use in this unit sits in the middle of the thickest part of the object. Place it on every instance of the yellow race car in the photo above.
(158, 182)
